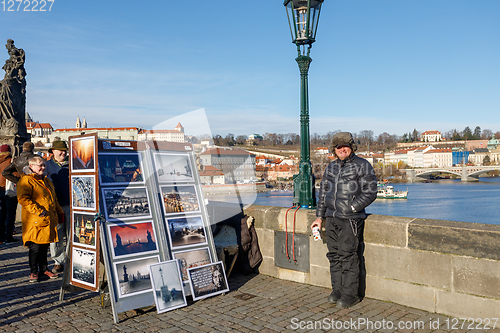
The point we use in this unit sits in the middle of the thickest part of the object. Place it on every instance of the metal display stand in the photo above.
(136, 185)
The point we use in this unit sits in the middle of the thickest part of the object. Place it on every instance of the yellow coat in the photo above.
(36, 194)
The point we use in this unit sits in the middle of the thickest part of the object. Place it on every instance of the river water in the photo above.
(452, 200)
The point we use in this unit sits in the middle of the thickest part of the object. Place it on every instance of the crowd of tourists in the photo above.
(41, 188)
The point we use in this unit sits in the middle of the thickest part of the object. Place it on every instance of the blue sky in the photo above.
(381, 65)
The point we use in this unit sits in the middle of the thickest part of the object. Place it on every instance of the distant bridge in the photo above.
(466, 173)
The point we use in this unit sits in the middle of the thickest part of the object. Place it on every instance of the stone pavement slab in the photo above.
(256, 303)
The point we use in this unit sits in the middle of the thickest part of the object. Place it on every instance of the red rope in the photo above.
(286, 232)
(293, 235)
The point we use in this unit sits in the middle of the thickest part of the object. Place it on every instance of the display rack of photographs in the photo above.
(84, 239)
(131, 239)
(186, 221)
(143, 188)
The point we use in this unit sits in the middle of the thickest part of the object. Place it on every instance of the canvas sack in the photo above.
(10, 188)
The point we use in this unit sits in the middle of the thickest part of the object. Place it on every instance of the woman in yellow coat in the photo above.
(40, 215)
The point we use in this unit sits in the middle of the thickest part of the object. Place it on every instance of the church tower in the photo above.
(84, 124)
(78, 123)
(179, 128)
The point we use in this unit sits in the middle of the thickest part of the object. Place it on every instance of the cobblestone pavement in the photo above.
(256, 303)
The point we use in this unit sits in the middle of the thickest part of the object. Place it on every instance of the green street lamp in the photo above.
(303, 18)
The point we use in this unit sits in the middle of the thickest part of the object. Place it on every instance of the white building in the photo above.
(430, 136)
(438, 158)
(175, 135)
(211, 175)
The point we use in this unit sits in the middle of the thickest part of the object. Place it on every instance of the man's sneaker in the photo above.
(33, 277)
(49, 274)
(334, 297)
(344, 304)
(58, 269)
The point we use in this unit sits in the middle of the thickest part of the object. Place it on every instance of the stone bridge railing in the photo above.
(452, 268)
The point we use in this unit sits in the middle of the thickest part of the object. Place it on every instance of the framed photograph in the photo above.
(131, 239)
(167, 286)
(192, 258)
(125, 203)
(132, 276)
(208, 280)
(83, 192)
(84, 229)
(173, 168)
(186, 231)
(120, 169)
(83, 267)
(83, 154)
(179, 199)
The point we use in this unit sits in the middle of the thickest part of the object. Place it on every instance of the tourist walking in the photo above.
(57, 170)
(348, 186)
(8, 202)
(40, 215)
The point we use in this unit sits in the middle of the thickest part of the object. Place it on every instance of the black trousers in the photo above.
(344, 239)
(8, 206)
(37, 257)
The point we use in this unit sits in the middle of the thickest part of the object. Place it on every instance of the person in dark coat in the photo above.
(348, 186)
(14, 171)
(8, 203)
(57, 170)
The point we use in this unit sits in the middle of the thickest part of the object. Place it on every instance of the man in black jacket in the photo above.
(348, 186)
(19, 163)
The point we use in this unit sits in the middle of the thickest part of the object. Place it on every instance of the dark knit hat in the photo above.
(4, 148)
(58, 145)
(28, 146)
(343, 139)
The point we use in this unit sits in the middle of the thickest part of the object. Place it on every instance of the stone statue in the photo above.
(13, 93)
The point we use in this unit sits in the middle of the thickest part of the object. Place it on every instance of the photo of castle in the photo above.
(132, 238)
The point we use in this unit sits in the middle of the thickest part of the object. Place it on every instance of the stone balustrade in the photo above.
(451, 268)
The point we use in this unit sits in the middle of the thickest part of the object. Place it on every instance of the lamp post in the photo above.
(303, 18)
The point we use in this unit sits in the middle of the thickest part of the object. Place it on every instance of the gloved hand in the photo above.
(61, 218)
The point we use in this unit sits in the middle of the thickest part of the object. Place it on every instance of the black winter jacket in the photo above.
(346, 183)
(18, 165)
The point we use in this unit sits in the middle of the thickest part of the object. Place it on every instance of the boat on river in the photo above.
(388, 192)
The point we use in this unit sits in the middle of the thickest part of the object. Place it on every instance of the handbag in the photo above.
(10, 188)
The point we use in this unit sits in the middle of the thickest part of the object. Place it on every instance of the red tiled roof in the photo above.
(43, 125)
(210, 170)
(430, 133)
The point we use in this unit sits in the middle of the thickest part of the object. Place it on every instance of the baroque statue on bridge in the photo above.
(13, 93)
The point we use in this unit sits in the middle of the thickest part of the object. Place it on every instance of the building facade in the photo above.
(237, 165)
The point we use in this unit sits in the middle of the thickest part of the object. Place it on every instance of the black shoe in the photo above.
(334, 297)
(11, 240)
(344, 304)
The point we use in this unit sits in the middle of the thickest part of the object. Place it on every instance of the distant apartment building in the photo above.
(114, 133)
(431, 136)
(438, 158)
(237, 165)
(175, 135)
(321, 151)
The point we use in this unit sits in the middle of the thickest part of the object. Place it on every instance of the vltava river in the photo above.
(450, 200)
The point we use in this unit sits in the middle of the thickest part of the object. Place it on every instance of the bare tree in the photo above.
(486, 134)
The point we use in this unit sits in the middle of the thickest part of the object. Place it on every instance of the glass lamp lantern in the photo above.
(303, 18)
